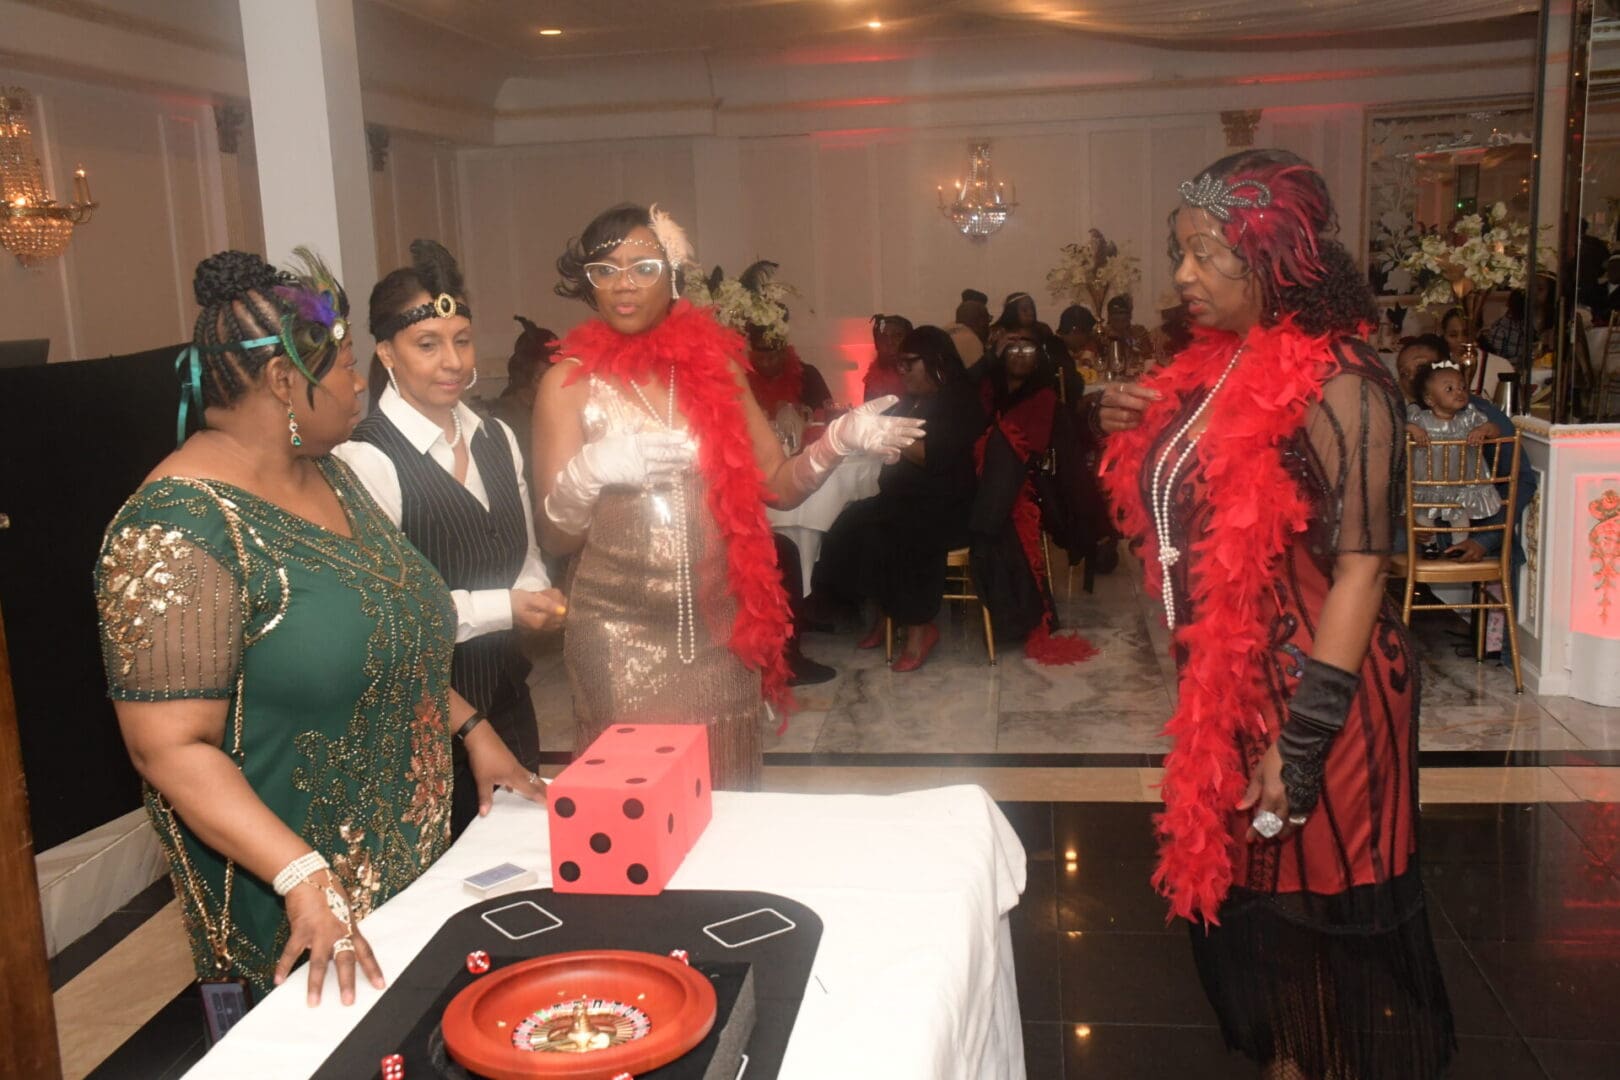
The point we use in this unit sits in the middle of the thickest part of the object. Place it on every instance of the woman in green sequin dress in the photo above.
(277, 652)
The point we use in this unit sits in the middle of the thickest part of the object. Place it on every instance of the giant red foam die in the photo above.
(618, 815)
(688, 746)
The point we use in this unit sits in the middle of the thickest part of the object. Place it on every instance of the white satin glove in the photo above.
(641, 460)
(861, 430)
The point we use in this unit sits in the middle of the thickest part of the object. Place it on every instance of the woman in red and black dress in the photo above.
(1259, 474)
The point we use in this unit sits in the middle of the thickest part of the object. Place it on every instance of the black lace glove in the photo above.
(1317, 711)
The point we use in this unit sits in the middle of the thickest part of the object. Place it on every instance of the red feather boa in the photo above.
(1256, 509)
(709, 396)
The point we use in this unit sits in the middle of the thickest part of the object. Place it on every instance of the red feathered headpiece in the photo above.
(1272, 215)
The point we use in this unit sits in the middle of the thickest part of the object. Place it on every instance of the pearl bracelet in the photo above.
(298, 871)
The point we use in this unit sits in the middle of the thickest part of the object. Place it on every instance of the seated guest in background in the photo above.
(1173, 334)
(1604, 296)
(1127, 347)
(1019, 393)
(891, 548)
(780, 378)
(1077, 326)
(1445, 414)
(1508, 335)
(455, 484)
(1017, 314)
(530, 359)
(1454, 329)
(1429, 349)
(971, 330)
(277, 653)
(882, 377)
(1592, 255)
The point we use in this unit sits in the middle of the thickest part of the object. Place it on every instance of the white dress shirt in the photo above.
(478, 611)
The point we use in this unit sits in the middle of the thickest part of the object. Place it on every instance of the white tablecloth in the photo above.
(913, 892)
(807, 523)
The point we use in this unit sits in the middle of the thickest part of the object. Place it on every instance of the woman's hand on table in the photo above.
(1266, 792)
(315, 927)
(538, 610)
(493, 766)
(1122, 406)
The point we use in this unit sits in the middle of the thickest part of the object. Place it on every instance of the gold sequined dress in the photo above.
(620, 646)
(333, 656)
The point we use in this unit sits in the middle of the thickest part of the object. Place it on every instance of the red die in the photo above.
(393, 1067)
(619, 815)
(688, 745)
(478, 961)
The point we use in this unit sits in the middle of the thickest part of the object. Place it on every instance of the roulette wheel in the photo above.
(579, 1016)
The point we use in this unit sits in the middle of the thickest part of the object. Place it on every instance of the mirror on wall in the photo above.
(1428, 165)
(1594, 386)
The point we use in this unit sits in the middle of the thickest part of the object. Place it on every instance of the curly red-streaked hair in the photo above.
(1288, 244)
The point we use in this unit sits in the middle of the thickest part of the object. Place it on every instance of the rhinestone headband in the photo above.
(609, 245)
(1220, 198)
(442, 306)
(1446, 365)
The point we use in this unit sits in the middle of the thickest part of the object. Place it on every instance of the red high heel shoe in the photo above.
(873, 639)
(912, 663)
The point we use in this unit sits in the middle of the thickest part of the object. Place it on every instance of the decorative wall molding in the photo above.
(228, 122)
(377, 146)
(1240, 125)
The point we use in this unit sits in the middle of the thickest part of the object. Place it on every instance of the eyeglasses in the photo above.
(642, 273)
(1023, 348)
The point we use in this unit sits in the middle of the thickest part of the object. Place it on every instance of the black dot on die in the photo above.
(601, 843)
(568, 871)
(564, 807)
(697, 788)
(670, 825)
(626, 730)
(636, 780)
(637, 874)
(633, 809)
(666, 750)
(594, 761)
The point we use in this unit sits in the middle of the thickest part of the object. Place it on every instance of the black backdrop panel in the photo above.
(79, 438)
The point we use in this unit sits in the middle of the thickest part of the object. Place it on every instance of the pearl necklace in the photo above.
(455, 418)
(1169, 554)
(685, 606)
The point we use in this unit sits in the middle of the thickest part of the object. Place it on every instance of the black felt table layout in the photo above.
(406, 1018)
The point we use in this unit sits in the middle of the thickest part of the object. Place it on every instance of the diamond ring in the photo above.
(1267, 824)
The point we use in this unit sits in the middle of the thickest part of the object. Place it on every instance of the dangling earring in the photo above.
(292, 428)
(391, 380)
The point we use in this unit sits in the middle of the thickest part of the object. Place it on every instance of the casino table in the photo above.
(912, 977)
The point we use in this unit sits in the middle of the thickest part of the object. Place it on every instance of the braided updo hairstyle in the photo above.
(242, 298)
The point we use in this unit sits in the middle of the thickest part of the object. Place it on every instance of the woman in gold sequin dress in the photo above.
(277, 652)
(655, 465)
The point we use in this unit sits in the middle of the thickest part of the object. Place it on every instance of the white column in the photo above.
(310, 140)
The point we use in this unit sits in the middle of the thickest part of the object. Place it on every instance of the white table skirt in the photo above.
(913, 892)
(807, 523)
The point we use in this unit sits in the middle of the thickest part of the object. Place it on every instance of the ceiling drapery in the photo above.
(1235, 20)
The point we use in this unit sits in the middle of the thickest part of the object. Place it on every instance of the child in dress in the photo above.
(1446, 415)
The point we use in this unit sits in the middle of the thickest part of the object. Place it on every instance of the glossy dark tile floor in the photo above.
(1524, 900)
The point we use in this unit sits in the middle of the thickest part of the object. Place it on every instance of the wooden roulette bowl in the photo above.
(579, 1016)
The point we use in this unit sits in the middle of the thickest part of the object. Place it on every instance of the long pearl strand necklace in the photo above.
(1169, 554)
(455, 418)
(685, 606)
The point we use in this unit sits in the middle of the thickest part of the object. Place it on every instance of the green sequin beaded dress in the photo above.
(333, 654)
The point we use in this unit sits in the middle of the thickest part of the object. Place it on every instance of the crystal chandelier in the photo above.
(33, 226)
(981, 205)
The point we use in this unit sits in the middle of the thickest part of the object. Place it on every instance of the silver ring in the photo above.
(342, 945)
(1297, 820)
(1267, 824)
(534, 779)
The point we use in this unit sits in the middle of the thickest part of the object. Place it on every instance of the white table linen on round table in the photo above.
(913, 892)
(856, 478)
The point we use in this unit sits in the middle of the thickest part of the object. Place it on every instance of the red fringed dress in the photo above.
(626, 590)
(1315, 950)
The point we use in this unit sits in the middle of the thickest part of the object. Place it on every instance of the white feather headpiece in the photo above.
(677, 248)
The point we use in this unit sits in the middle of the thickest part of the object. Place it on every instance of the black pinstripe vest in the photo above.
(472, 548)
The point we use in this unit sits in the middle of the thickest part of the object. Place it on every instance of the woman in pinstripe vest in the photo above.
(454, 484)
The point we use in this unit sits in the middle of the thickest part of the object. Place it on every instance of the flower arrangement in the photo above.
(1093, 271)
(1482, 252)
(751, 302)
